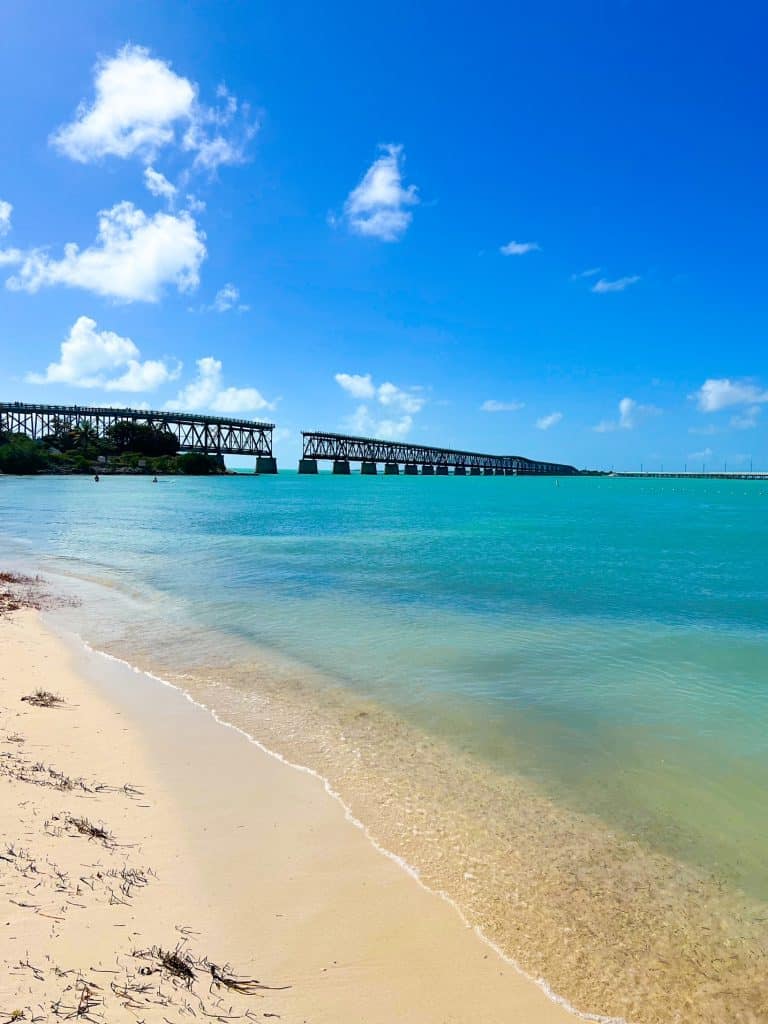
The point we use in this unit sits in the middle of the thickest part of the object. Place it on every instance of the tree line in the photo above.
(126, 446)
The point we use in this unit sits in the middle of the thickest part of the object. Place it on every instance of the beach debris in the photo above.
(86, 1000)
(44, 699)
(223, 976)
(18, 591)
(58, 824)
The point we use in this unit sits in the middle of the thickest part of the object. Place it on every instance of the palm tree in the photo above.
(84, 438)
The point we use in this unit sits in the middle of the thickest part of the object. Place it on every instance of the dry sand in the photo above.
(214, 847)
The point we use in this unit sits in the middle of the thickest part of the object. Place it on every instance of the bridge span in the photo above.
(214, 435)
(343, 449)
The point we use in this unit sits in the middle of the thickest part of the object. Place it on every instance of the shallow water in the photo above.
(564, 681)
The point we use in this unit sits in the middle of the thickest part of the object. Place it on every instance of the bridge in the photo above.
(214, 435)
(343, 449)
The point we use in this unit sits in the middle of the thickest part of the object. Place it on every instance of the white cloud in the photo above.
(138, 101)
(358, 385)
(631, 415)
(194, 204)
(226, 298)
(747, 419)
(6, 209)
(591, 272)
(139, 104)
(619, 285)
(721, 393)
(409, 401)
(545, 422)
(378, 206)
(10, 256)
(158, 184)
(134, 258)
(491, 405)
(519, 248)
(406, 401)
(206, 391)
(89, 357)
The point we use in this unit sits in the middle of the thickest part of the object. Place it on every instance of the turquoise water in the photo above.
(606, 638)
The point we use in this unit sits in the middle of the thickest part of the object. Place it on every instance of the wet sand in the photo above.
(134, 825)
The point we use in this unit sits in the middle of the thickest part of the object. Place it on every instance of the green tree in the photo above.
(20, 454)
(198, 463)
(128, 436)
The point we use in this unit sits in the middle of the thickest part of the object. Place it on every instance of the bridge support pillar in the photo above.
(307, 465)
(488, 471)
(341, 467)
(499, 472)
(411, 469)
(510, 472)
(475, 471)
(441, 470)
(427, 469)
(369, 469)
(266, 464)
(459, 470)
(391, 469)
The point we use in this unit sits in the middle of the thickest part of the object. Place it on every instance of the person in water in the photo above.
(96, 478)
(154, 479)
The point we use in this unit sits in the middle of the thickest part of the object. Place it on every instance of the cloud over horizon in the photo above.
(89, 358)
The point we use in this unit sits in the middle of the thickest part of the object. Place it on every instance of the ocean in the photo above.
(549, 697)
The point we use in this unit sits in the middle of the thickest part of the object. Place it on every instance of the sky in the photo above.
(533, 229)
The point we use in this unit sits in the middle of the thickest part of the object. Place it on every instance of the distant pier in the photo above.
(343, 449)
(724, 475)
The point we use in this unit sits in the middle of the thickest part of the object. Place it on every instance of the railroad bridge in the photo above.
(214, 435)
(343, 449)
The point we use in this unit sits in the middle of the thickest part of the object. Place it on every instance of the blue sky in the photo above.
(533, 229)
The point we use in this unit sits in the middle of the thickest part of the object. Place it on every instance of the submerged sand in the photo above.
(132, 826)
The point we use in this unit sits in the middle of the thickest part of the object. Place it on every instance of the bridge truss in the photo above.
(344, 448)
(211, 434)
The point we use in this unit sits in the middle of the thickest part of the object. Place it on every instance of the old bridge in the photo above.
(218, 435)
(342, 450)
(214, 435)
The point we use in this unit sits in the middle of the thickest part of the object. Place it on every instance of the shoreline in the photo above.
(407, 954)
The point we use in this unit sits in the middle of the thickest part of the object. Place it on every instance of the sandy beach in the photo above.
(159, 865)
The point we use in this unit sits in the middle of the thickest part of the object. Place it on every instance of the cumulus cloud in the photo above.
(356, 384)
(139, 105)
(159, 185)
(6, 209)
(722, 393)
(378, 206)
(621, 284)
(545, 422)
(89, 358)
(401, 404)
(207, 391)
(519, 248)
(631, 415)
(135, 257)
(491, 405)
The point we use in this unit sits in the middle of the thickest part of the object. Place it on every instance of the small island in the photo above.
(127, 448)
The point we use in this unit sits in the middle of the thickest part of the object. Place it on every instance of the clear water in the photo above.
(604, 641)
(607, 637)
